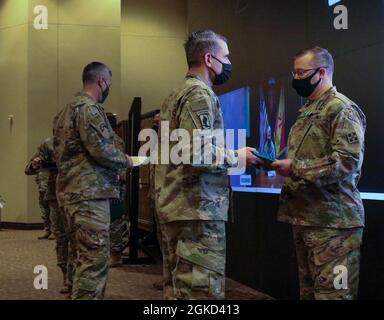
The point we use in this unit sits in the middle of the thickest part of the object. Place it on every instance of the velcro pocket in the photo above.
(337, 247)
(89, 285)
(202, 256)
(201, 270)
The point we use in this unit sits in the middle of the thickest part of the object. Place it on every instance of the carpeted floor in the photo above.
(20, 252)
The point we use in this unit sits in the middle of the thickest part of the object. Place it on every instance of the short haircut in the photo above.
(200, 43)
(321, 57)
(93, 70)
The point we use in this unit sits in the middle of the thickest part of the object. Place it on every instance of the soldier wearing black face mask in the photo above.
(89, 163)
(305, 87)
(104, 92)
(194, 221)
(225, 75)
(319, 196)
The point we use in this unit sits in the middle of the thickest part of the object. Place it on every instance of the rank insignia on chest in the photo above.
(307, 113)
(352, 137)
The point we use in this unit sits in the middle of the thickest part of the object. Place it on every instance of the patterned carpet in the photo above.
(20, 252)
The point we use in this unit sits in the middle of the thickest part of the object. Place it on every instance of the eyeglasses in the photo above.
(302, 72)
(106, 83)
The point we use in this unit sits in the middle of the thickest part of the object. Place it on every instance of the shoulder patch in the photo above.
(351, 114)
(200, 104)
(204, 119)
(97, 120)
(352, 137)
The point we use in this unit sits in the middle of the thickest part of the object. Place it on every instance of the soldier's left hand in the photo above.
(36, 163)
(130, 162)
(283, 167)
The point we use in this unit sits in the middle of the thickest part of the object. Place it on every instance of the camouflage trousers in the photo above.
(194, 260)
(45, 211)
(119, 235)
(319, 251)
(87, 224)
(62, 242)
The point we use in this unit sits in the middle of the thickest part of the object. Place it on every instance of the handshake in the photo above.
(253, 159)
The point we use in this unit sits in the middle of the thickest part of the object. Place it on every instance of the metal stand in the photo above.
(133, 181)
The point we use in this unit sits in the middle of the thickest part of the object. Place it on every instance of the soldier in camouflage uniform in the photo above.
(89, 164)
(319, 196)
(192, 200)
(119, 230)
(43, 162)
(41, 179)
(158, 285)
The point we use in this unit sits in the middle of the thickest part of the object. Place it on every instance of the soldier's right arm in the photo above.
(98, 139)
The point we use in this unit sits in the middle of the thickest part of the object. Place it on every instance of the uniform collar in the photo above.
(83, 94)
(313, 104)
(197, 77)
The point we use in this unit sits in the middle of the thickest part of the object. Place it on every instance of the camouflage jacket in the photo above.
(120, 144)
(326, 145)
(45, 176)
(193, 191)
(85, 152)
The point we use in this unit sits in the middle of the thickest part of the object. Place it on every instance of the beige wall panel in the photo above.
(165, 18)
(42, 99)
(13, 143)
(42, 84)
(152, 59)
(90, 12)
(13, 12)
(152, 68)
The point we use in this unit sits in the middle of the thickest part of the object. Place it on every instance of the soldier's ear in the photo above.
(208, 60)
(322, 72)
(99, 81)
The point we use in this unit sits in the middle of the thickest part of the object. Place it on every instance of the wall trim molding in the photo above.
(21, 226)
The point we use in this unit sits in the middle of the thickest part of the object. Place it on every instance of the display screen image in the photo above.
(235, 107)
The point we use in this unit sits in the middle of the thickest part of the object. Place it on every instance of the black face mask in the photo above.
(225, 75)
(303, 87)
(104, 93)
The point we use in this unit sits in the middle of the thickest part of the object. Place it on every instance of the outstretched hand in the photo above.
(250, 159)
(283, 167)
